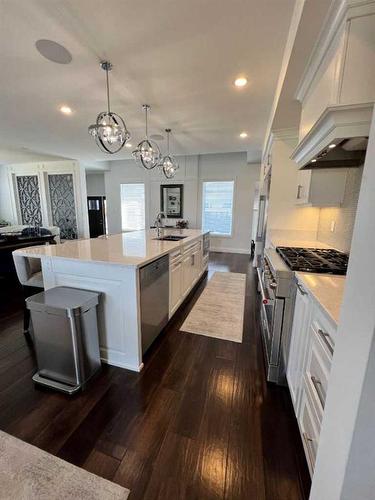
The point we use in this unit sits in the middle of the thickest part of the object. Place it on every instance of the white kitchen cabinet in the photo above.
(187, 273)
(185, 269)
(321, 187)
(298, 346)
(175, 286)
(309, 364)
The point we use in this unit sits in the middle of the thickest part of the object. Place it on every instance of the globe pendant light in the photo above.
(168, 164)
(109, 131)
(147, 153)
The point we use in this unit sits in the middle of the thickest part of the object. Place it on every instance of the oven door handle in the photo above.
(266, 300)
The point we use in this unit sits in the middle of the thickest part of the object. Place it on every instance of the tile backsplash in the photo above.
(343, 216)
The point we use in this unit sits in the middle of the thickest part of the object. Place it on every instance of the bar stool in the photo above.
(29, 274)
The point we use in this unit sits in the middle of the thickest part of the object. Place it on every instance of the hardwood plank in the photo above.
(101, 464)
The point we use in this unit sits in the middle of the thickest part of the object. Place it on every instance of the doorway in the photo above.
(96, 206)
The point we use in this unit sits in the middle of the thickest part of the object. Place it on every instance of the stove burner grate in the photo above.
(314, 260)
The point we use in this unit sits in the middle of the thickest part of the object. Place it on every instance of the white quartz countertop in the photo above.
(327, 290)
(135, 248)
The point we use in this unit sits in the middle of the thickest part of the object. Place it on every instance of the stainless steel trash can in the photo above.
(66, 339)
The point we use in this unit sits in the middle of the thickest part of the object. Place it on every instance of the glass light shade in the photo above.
(110, 132)
(169, 166)
(147, 154)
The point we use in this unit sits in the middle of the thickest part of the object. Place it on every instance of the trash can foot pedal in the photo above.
(53, 384)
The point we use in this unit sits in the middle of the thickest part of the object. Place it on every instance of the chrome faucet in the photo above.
(159, 223)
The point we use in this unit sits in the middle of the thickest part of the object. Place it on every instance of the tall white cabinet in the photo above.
(50, 194)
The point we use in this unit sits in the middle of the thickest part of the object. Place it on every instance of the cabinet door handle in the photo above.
(301, 289)
(308, 442)
(326, 339)
(318, 387)
(193, 259)
(299, 187)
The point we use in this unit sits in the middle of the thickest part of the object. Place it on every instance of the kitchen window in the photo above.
(133, 207)
(217, 207)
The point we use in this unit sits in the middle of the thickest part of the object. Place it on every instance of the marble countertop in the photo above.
(135, 248)
(328, 291)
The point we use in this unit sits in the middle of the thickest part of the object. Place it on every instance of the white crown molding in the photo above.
(332, 24)
(284, 134)
(336, 122)
(341, 11)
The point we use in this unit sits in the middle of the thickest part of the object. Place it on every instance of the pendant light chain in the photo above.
(146, 107)
(107, 78)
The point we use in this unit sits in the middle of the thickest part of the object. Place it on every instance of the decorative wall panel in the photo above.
(29, 200)
(61, 192)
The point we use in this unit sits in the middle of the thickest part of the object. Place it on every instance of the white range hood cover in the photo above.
(335, 123)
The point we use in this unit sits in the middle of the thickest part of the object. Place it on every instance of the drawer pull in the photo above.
(310, 452)
(326, 339)
(318, 387)
(301, 289)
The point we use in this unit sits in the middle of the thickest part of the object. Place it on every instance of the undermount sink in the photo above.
(170, 237)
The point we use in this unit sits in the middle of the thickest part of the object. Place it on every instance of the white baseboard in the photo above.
(230, 250)
(116, 358)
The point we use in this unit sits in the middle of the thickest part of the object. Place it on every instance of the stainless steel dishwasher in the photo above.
(154, 284)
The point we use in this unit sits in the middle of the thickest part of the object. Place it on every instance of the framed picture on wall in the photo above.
(172, 200)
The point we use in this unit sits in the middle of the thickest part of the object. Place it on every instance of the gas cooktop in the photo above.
(314, 260)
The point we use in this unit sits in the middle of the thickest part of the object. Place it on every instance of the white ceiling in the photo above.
(179, 56)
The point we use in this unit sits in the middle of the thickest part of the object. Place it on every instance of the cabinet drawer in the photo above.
(191, 247)
(318, 368)
(325, 329)
(310, 429)
(175, 257)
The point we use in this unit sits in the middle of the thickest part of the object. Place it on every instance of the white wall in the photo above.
(232, 167)
(193, 170)
(95, 184)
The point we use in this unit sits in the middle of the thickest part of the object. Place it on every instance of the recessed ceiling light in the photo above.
(240, 82)
(331, 146)
(313, 161)
(53, 51)
(66, 110)
(128, 145)
(243, 135)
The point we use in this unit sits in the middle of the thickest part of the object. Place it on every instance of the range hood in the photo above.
(338, 139)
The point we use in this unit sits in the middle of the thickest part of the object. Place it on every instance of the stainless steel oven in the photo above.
(276, 290)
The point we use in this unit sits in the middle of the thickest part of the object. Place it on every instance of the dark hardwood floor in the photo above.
(199, 422)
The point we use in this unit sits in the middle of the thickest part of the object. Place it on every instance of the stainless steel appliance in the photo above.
(276, 314)
(314, 260)
(260, 237)
(277, 286)
(65, 336)
(154, 287)
(340, 153)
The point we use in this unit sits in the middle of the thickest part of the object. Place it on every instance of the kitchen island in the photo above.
(111, 265)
